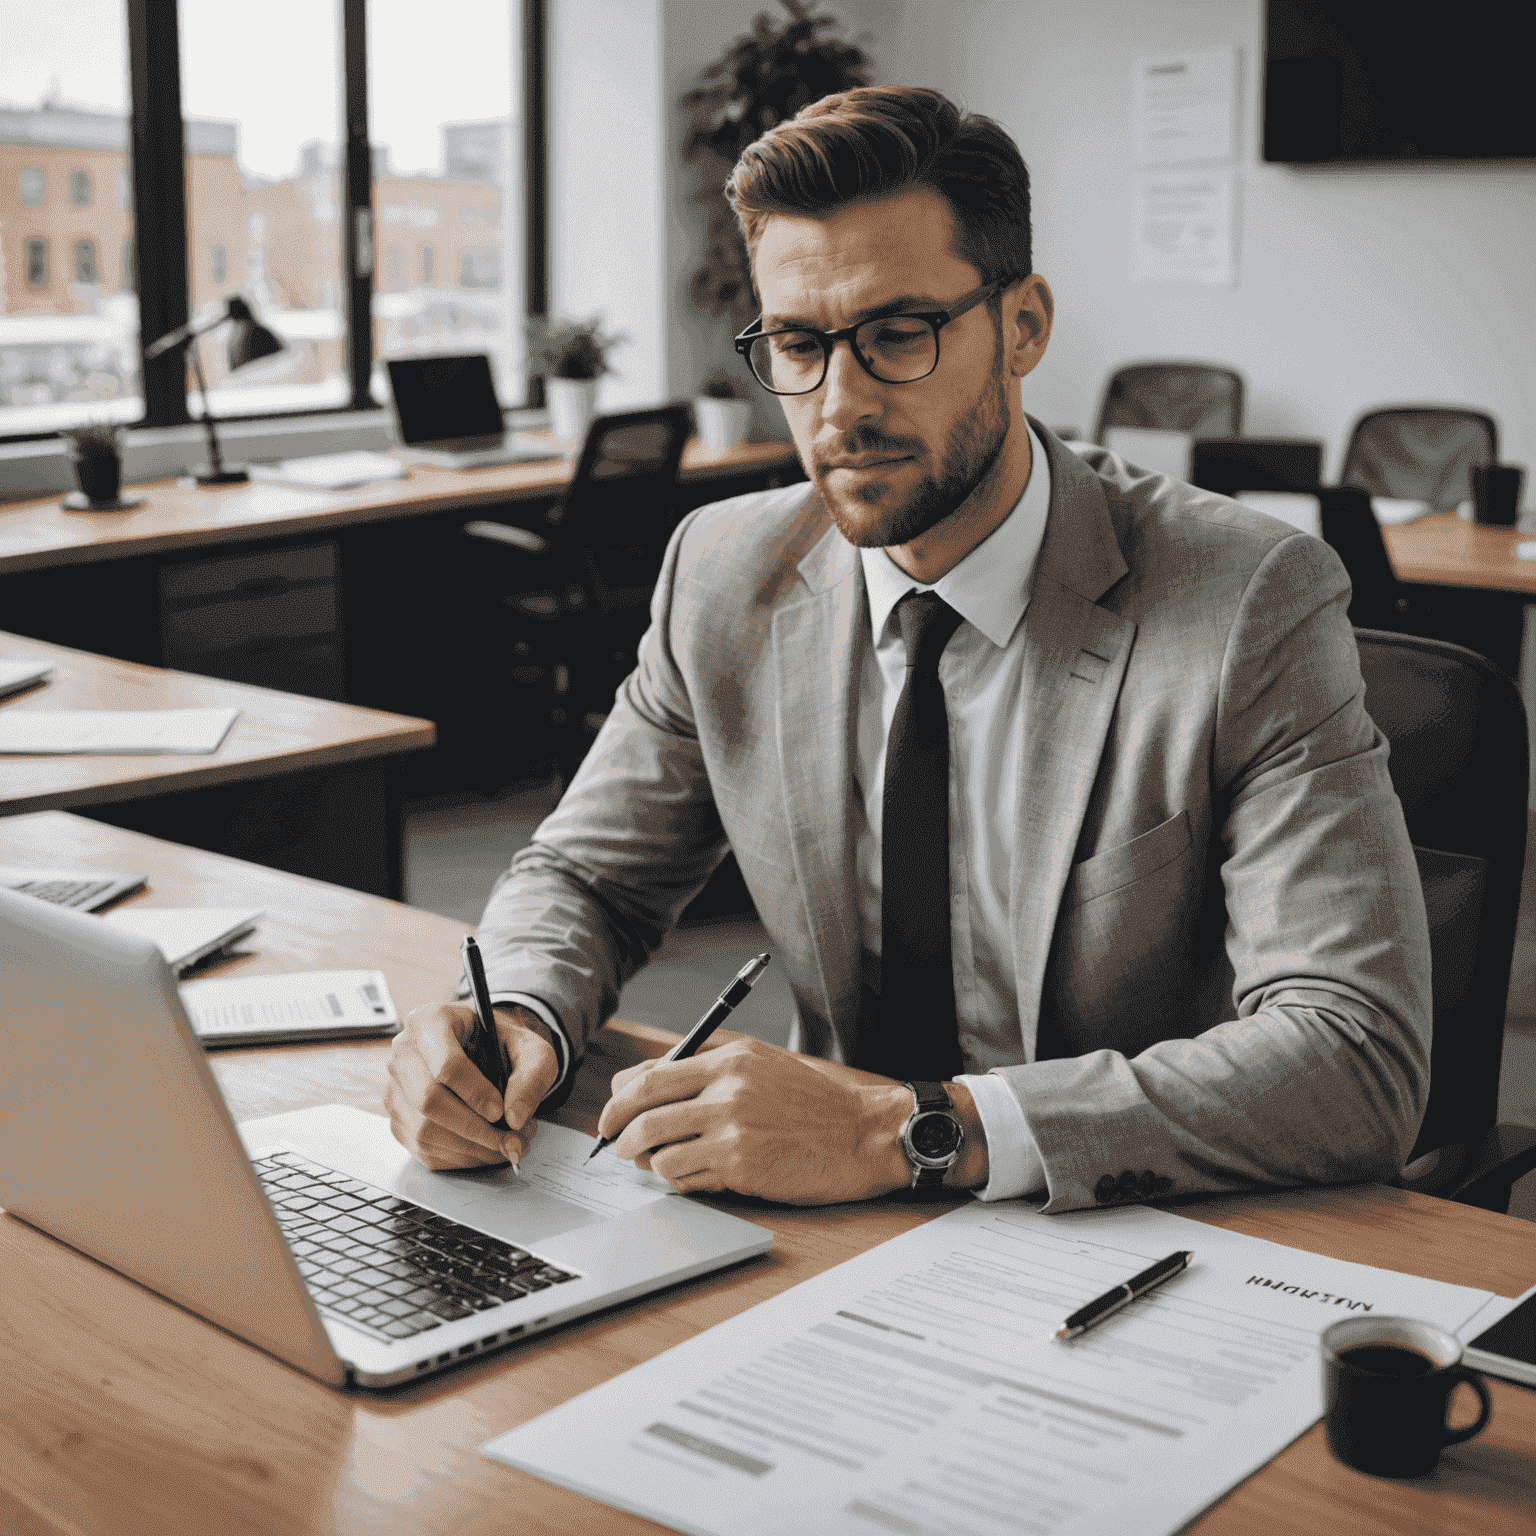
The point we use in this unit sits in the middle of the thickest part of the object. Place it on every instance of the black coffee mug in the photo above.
(1496, 494)
(1387, 1387)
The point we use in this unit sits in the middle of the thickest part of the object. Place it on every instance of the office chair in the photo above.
(1202, 399)
(1484, 622)
(565, 606)
(1420, 453)
(1459, 764)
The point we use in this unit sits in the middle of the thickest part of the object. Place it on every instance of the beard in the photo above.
(969, 457)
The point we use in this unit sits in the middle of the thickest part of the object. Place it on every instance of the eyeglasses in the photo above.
(895, 349)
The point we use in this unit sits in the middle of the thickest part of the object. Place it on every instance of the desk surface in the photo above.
(1443, 550)
(123, 1413)
(276, 732)
(40, 534)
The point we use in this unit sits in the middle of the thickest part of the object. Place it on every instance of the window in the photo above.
(69, 348)
(266, 194)
(37, 263)
(85, 262)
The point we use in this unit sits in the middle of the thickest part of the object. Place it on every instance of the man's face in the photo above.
(890, 460)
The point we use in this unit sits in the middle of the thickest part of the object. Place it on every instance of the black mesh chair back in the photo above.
(1460, 761)
(621, 504)
(1201, 399)
(1420, 453)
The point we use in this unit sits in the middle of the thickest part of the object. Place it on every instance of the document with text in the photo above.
(919, 1388)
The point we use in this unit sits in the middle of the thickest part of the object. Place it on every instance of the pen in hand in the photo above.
(484, 1046)
(1101, 1307)
(717, 1015)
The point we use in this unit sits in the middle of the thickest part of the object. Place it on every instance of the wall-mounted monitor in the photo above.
(1352, 81)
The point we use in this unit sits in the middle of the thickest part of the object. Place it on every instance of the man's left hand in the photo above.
(760, 1120)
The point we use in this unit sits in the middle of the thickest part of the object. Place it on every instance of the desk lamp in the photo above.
(248, 341)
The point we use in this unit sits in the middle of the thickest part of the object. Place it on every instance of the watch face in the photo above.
(935, 1136)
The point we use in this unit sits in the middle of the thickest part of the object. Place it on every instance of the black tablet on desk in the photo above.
(1508, 1348)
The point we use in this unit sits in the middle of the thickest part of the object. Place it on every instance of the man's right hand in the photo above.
(442, 1110)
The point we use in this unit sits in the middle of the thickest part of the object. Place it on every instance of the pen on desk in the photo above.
(1111, 1301)
(717, 1015)
(484, 1046)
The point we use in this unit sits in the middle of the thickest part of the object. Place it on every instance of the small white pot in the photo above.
(722, 423)
(572, 405)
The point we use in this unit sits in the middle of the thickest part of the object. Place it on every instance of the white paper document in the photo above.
(920, 1389)
(1185, 107)
(557, 1164)
(1184, 228)
(303, 1005)
(52, 732)
(331, 471)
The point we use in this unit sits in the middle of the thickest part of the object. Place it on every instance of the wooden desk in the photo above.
(1442, 550)
(369, 595)
(123, 1414)
(173, 518)
(301, 783)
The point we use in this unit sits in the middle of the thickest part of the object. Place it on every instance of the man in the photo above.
(1181, 945)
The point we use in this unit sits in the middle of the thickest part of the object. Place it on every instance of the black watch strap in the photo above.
(929, 1096)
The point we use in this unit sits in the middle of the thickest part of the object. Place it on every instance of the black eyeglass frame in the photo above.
(936, 318)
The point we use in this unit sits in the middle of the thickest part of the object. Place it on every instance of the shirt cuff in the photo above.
(556, 1029)
(1013, 1160)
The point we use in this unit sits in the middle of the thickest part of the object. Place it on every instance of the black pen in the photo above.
(1111, 1301)
(484, 1046)
(717, 1015)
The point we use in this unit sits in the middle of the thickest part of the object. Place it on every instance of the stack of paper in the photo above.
(308, 1005)
(51, 732)
(331, 471)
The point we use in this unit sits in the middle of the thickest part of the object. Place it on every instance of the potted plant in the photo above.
(572, 355)
(723, 413)
(764, 78)
(96, 449)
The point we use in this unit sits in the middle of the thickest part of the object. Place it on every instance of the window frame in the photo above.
(158, 206)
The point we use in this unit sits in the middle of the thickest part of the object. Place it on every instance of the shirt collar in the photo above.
(990, 587)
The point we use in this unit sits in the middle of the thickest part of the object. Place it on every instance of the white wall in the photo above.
(608, 154)
(1357, 286)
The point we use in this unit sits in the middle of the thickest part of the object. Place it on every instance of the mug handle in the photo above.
(1478, 1385)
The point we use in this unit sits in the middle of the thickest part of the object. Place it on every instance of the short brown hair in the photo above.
(881, 140)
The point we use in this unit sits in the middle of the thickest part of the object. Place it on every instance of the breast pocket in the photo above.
(1115, 868)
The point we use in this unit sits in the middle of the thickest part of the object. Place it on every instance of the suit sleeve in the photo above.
(1323, 1075)
(633, 839)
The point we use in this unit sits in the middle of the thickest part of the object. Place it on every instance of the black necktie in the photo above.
(915, 1035)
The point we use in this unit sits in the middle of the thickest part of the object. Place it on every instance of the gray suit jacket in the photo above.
(1219, 938)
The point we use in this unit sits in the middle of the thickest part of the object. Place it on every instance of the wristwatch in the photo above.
(932, 1136)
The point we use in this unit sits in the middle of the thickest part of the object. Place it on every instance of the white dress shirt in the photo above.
(981, 672)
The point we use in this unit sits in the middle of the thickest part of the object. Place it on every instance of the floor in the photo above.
(455, 850)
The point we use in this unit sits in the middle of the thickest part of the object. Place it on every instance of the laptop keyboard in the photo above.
(64, 893)
(387, 1266)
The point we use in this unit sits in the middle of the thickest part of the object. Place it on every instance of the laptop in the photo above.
(312, 1235)
(448, 414)
(85, 889)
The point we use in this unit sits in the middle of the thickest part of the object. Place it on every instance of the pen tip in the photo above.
(1063, 1333)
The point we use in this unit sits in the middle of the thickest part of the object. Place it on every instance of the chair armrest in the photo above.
(1477, 1173)
(502, 533)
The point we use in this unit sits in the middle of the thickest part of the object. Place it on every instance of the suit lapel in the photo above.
(816, 654)
(1075, 655)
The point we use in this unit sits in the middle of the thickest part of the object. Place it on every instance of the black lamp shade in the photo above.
(249, 340)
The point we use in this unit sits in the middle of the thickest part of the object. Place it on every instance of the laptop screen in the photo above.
(438, 397)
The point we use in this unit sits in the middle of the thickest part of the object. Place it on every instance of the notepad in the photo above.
(304, 1005)
(22, 674)
(50, 732)
(331, 471)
